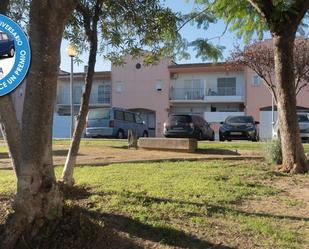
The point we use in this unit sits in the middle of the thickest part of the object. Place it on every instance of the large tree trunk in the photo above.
(38, 198)
(10, 131)
(294, 159)
(8, 120)
(67, 174)
(4, 6)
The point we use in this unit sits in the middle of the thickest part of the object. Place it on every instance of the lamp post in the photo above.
(72, 52)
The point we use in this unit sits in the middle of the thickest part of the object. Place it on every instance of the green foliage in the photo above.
(128, 27)
(244, 18)
(273, 152)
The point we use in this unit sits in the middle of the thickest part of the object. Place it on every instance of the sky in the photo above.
(229, 39)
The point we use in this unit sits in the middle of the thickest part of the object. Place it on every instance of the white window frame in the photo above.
(159, 85)
(256, 80)
(119, 87)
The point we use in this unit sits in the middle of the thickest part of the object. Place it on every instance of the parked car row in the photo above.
(195, 126)
(115, 122)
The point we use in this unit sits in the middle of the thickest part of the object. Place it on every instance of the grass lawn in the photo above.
(116, 143)
(218, 204)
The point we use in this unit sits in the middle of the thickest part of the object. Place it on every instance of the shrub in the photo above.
(273, 152)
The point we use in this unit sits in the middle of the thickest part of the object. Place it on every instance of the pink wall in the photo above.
(140, 88)
(259, 96)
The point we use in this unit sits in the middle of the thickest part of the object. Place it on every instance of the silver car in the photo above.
(303, 122)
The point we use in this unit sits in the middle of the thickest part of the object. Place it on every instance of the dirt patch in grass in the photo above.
(103, 155)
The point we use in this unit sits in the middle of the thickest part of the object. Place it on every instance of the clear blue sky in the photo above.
(190, 33)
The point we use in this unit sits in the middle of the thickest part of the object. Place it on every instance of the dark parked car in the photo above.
(239, 128)
(188, 125)
(6, 45)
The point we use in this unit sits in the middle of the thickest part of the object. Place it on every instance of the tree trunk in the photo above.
(4, 4)
(67, 174)
(10, 130)
(8, 120)
(38, 198)
(293, 155)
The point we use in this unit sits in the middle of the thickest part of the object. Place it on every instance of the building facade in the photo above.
(211, 90)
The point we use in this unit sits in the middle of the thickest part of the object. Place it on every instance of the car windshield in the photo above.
(303, 119)
(180, 118)
(239, 119)
(99, 113)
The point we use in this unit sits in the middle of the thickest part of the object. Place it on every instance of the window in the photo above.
(138, 119)
(159, 85)
(193, 89)
(119, 87)
(119, 115)
(77, 94)
(193, 84)
(104, 94)
(226, 86)
(99, 114)
(256, 80)
(128, 116)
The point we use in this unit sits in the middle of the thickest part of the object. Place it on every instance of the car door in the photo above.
(205, 127)
(208, 129)
(129, 123)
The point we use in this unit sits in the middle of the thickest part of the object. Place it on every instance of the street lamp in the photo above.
(72, 52)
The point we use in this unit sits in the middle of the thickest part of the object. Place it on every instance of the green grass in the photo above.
(178, 202)
(234, 145)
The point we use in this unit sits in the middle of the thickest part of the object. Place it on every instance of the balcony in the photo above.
(187, 94)
(95, 99)
(219, 95)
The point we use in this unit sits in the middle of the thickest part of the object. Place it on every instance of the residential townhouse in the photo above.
(211, 90)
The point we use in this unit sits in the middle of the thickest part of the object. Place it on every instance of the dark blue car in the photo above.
(6, 45)
(239, 128)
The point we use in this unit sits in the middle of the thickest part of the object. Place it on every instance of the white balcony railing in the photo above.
(220, 94)
(187, 93)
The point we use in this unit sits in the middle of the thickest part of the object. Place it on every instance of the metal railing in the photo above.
(187, 93)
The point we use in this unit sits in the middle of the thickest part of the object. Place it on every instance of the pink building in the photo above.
(156, 91)
(144, 89)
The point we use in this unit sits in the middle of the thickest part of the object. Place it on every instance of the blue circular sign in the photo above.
(15, 55)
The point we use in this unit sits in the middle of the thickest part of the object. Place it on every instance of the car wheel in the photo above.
(12, 52)
(200, 136)
(120, 134)
(212, 137)
(221, 138)
(255, 139)
(145, 134)
(229, 140)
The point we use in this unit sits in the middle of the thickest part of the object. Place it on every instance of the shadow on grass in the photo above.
(217, 152)
(4, 155)
(119, 147)
(211, 208)
(138, 231)
(62, 153)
